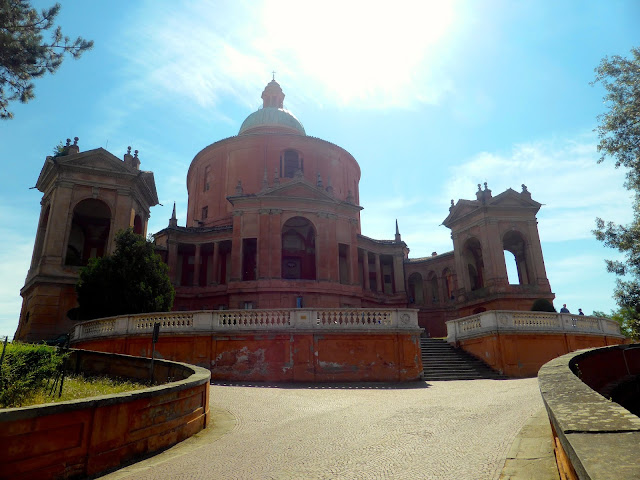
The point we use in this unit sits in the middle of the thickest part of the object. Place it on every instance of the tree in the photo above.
(627, 318)
(132, 280)
(24, 55)
(619, 134)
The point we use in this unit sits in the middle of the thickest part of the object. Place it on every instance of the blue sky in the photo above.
(431, 98)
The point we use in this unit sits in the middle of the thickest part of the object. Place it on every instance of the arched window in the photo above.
(472, 253)
(518, 271)
(416, 292)
(89, 232)
(291, 163)
(432, 283)
(298, 249)
(137, 225)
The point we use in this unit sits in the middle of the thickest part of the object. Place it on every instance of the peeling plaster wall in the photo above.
(285, 357)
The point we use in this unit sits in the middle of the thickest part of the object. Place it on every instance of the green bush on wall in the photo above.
(25, 369)
(543, 305)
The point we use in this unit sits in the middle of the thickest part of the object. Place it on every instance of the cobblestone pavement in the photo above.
(441, 430)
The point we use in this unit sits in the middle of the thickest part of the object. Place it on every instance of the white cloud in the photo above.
(356, 53)
(563, 175)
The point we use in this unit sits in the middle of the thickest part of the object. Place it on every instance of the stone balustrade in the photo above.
(220, 321)
(506, 321)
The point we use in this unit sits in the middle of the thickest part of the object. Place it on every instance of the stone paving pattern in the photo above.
(438, 430)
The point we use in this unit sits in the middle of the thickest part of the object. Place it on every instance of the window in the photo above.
(248, 305)
(206, 177)
(205, 212)
(249, 258)
(292, 163)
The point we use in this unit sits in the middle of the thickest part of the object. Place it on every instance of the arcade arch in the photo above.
(298, 249)
(89, 232)
(416, 289)
(514, 242)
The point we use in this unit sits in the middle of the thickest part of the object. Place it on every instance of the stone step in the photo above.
(441, 361)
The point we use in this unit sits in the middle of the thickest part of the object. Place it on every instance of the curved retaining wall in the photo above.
(594, 437)
(85, 437)
(517, 343)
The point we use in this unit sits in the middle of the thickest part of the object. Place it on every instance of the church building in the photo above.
(273, 222)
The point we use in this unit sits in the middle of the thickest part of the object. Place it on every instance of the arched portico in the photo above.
(298, 249)
(89, 233)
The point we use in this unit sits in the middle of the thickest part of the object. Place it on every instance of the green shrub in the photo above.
(26, 369)
(542, 305)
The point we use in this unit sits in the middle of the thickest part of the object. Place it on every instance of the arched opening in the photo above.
(433, 289)
(89, 232)
(516, 261)
(447, 277)
(416, 294)
(298, 249)
(475, 266)
(137, 225)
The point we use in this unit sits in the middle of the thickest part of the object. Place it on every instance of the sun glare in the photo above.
(358, 50)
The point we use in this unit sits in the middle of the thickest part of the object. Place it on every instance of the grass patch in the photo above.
(28, 372)
(77, 386)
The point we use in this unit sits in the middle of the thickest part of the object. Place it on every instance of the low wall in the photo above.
(297, 345)
(85, 437)
(594, 438)
(517, 344)
(284, 357)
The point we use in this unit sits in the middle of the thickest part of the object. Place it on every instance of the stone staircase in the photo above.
(440, 361)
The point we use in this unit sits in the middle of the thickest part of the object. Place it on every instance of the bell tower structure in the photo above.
(485, 233)
(87, 198)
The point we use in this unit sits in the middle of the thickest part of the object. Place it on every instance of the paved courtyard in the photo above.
(439, 430)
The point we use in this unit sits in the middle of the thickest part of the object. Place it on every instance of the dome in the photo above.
(272, 117)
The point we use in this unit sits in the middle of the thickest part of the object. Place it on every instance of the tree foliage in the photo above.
(24, 54)
(619, 134)
(132, 280)
(628, 319)
(25, 369)
(542, 305)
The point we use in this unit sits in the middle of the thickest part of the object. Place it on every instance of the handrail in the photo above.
(510, 321)
(324, 319)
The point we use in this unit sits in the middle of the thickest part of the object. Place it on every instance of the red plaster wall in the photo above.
(518, 355)
(285, 357)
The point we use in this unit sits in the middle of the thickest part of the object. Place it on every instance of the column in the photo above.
(365, 265)
(172, 261)
(398, 272)
(461, 267)
(275, 243)
(236, 248)
(196, 266)
(59, 223)
(354, 274)
(379, 285)
(215, 275)
(263, 260)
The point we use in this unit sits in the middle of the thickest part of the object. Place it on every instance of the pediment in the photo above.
(298, 189)
(98, 159)
(459, 210)
(511, 198)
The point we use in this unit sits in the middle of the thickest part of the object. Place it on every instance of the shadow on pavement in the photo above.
(327, 386)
